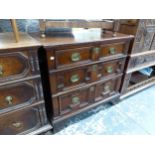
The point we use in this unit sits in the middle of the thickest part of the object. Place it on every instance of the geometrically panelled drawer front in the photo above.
(113, 49)
(75, 100)
(107, 89)
(17, 65)
(141, 60)
(21, 121)
(63, 80)
(79, 56)
(27, 92)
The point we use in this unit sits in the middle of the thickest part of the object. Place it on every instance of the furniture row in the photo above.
(45, 81)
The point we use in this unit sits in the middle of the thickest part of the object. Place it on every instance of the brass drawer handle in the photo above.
(74, 78)
(9, 100)
(52, 58)
(75, 57)
(1, 70)
(17, 124)
(75, 100)
(112, 50)
(94, 68)
(109, 69)
(106, 90)
(96, 50)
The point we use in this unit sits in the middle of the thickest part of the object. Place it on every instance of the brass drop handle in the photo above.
(75, 100)
(106, 89)
(75, 57)
(9, 100)
(17, 124)
(52, 58)
(94, 68)
(1, 70)
(74, 78)
(96, 50)
(109, 69)
(112, 50)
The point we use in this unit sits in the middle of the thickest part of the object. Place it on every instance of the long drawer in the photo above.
(64, 80)
(21, 121)
(20, 94)
(73, 101)
(62, 58)
(17, 65)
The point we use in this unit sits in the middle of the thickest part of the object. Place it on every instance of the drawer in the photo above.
(107, 89)
(18, 65)
(69, 57)
(20, 94)
(73, 101)
(113, 49)
(142, 60)
(79, 56)
(23, 121)
(63, 80)
(111, 68)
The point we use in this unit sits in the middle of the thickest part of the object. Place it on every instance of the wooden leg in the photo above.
(15, 29)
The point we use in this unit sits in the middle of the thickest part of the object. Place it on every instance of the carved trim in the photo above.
(140, 84)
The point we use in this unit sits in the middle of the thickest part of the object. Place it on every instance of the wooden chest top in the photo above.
(78, 37)
(7, 41)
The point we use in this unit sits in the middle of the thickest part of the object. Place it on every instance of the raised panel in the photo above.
(17, 65)
(73, 101)
(107, 89)
(20, 94)
(144, 36)
(141, 60)
(111, 68)
(112, 49)
(66, 79)
(19, 122)
(73, 56)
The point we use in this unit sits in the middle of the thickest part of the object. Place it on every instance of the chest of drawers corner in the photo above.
(83, 74)
(22, 106)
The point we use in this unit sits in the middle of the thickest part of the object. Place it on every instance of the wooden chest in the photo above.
(83, 72)
(22, 109)
(141, 56)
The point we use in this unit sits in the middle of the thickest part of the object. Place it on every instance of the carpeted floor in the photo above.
(134, 115)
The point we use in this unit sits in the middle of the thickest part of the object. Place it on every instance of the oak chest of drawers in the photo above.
(83, 71)
(22, 109)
